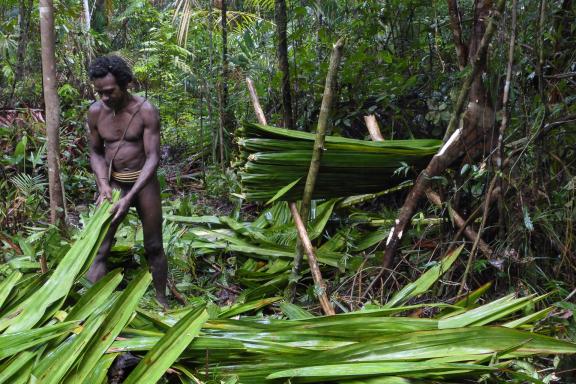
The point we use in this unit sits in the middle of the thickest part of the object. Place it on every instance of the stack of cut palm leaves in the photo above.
(54, 331)
(273, 158)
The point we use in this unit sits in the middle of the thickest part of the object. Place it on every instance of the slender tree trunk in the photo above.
(86, 6)
(456, 25)
(215, 129)
(281, 25)
(25, 11)
(456, 140)
(52, 106)
(224, 83)
(100, 19)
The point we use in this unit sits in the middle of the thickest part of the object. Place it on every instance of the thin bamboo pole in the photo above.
(335, 58)
(321, 128)
(300, 227)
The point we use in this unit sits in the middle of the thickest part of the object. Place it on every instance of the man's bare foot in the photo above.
(163, 301)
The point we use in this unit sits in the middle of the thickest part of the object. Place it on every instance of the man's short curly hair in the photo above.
(103, 65)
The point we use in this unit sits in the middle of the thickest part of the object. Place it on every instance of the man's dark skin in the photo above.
(140, 150)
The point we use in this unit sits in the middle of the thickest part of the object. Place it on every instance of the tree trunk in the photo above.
(321, 129)
(457, 141)
(456, 25)
(281, 25)
(25, 12)
(52, 106)
(86, 6)
(223, 83)
(99, 16)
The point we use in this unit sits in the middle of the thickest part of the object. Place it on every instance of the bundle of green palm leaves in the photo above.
(272, 158)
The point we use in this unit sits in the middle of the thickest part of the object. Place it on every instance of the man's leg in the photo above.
(98, 268)
(149, 209)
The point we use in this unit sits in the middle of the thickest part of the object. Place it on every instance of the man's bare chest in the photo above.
(113, 128)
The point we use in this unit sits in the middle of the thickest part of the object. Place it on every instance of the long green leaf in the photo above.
(164, 354)
(282, 191)
(55, 368)
(116, 320)
(7, 284)
(342, 371)
(13, 365)
(12, 343)
(27, 314)
(425, 281)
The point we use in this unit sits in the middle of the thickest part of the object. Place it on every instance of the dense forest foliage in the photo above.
(444, 204)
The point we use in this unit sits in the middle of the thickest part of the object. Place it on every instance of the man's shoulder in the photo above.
(95, 107)
(148, 109)
(94, 110)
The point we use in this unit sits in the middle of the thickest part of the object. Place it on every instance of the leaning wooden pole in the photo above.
(300, 227)
(255, 102)
(321, 129)
(312, 261)
(317, 153)
(450, 151)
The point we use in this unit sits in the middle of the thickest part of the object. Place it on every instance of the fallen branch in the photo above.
(312, 261)
(255, 102)
(177, 295)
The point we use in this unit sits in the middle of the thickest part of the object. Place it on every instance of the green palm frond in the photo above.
(29, 185)
(267, 5)
(8, 45)
(186, 12)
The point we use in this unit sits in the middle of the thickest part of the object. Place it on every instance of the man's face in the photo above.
(109, 91)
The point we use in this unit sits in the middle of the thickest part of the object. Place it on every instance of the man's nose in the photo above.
(105, 98)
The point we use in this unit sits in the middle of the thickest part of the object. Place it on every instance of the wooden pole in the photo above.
(321, 129)
(312, 262)
(300, 227)
(316, 154)
(373, 128)
(255, 102)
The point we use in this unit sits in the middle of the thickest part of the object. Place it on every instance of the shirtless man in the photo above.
(124, 154)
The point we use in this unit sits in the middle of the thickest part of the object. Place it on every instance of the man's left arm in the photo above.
(151, 143)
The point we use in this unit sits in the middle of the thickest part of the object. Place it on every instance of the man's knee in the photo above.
(153, 249)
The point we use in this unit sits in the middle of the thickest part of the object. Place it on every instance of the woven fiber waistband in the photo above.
(126, 177)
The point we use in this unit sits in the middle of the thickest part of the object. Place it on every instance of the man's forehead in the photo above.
(106, 82)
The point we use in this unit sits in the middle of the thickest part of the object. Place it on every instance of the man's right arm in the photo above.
(97, 157)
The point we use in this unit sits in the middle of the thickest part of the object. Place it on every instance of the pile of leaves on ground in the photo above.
(272, 158)
(55, 329)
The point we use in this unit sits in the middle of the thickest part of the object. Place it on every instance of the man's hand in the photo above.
(105, 194)
(120, 209)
